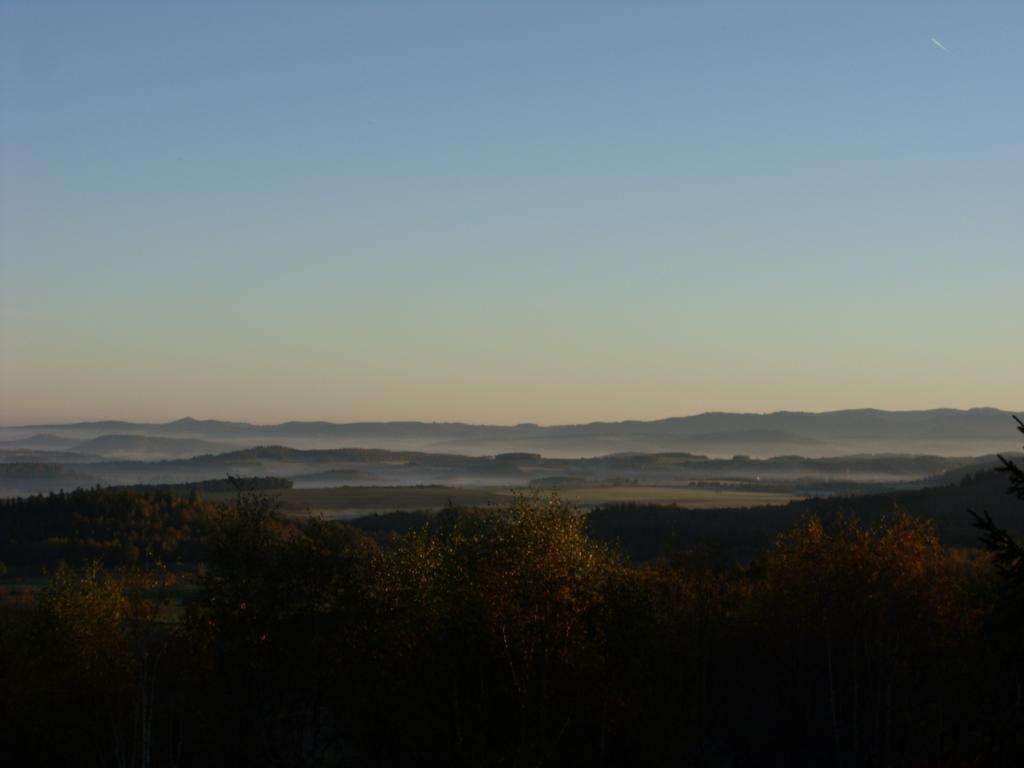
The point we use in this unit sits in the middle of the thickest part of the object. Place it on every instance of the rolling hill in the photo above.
(944, 431)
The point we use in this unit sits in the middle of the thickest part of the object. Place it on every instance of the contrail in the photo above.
(941, 45)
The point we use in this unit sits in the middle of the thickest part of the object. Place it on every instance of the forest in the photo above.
(172, 631)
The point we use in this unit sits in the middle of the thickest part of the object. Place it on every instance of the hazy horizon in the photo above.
(557, 214)
(272, 422)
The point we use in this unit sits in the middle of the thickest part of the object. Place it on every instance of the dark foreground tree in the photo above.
(1006, 621)
(507, 637)
(1007, 552)
(273, 626)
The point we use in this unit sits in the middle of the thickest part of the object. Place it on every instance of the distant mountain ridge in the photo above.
(945, 431)
(863, 422)
(702, 422)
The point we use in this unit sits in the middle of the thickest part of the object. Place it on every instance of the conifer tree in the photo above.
(1006, 550)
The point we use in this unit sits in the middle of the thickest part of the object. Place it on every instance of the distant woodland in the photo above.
(166, 630)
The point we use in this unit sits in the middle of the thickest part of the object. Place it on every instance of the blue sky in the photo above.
(508, 212)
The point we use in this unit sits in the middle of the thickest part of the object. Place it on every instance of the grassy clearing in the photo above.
(354, 501)
(696, 498)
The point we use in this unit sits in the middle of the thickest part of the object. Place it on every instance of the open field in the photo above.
(354, 501)
(695, 498)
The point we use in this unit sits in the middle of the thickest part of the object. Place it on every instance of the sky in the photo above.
(505, 212)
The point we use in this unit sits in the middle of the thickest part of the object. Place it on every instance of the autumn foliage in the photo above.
(509, 637)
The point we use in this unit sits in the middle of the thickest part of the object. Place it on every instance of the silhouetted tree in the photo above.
(1006, 550)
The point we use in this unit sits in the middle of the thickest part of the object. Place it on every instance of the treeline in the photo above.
(738, 535)
(114, 526)
(225, 485)
(511, 638)
(117, 525)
